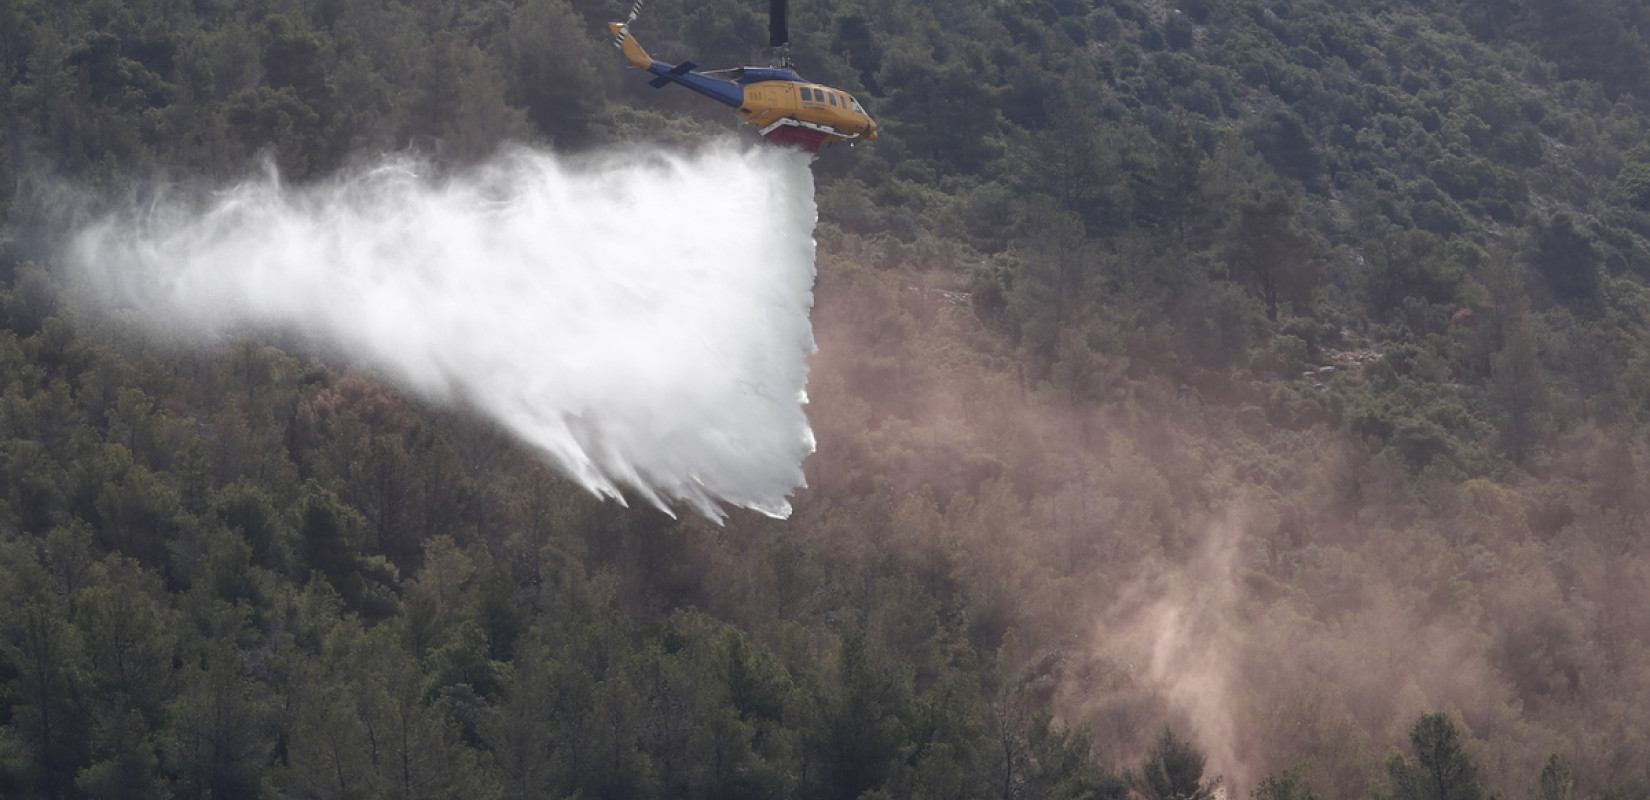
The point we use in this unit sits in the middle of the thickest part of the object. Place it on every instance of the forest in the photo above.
(1214, 398)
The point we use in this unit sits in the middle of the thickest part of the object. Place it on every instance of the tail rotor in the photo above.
(624, 29)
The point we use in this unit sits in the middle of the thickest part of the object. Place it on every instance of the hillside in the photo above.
(1239, 389)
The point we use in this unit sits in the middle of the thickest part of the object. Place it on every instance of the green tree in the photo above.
(1291, 785)
(1169, 197)
(1173, 770)
(1057, 279)
(1518, 393)
(1080, 165)
(523, 729)
(128, 643)
(1283, 139)
(33, 298)
(330, 534)
(1411, 263)
(136, 512)
(416, 745)
(127, 766)
(866, 724)
(553, 71)
(1569, 264)
(1556, 782)
(248, 509)
(129, 647)
(941, 110)
(1064, 768)
(41, 653)
(1268, 251)
(296, 96)
(217, 741)
(1442, 770)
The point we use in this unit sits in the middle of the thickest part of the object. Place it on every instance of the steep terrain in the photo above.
(1203, 388)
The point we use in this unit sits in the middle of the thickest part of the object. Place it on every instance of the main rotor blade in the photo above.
(779, 33)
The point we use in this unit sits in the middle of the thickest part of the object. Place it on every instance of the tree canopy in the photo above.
(1205, 390)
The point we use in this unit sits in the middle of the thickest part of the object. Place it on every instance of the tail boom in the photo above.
(633, 51)
(721, 91)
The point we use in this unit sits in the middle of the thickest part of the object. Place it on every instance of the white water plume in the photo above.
(643, 322)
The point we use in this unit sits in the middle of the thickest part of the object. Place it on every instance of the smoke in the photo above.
(642, 321)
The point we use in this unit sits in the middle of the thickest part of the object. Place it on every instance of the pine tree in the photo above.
(1442, 770)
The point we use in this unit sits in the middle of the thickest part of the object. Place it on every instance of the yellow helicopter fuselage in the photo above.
(785, 108)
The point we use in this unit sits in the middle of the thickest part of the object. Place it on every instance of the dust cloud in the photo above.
(1281, 598)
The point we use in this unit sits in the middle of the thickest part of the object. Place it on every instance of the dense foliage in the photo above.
(1240, 387)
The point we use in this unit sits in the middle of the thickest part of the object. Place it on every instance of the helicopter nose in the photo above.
(873, 129)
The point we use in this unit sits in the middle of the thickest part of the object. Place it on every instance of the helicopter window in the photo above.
(831, 96)
(809, 94)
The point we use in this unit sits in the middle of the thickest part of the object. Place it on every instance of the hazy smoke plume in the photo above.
(644, 322)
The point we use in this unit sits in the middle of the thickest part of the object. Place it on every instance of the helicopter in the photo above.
(787, 109)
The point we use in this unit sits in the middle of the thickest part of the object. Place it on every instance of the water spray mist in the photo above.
(644, 323)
